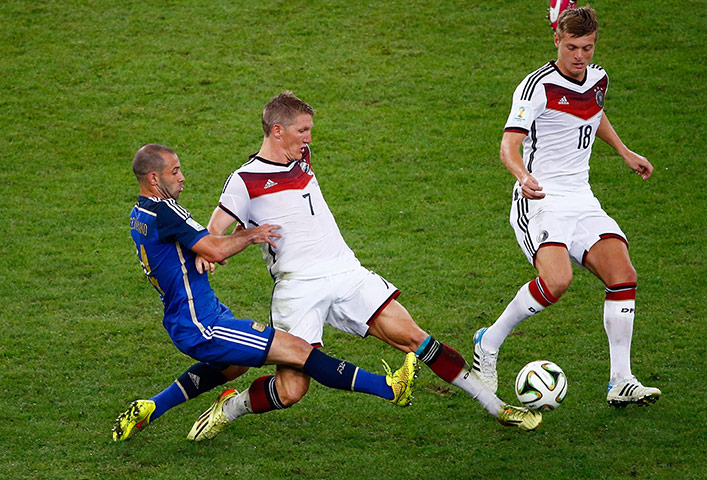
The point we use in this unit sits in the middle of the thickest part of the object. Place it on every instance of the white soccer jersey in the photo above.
(311, 245)
(560, 117)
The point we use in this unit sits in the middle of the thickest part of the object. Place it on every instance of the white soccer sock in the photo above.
(467, 382)
(618, 323)
(521, 307)
(237, 406)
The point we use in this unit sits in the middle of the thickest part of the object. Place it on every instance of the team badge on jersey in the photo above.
(258, 327)
(305, 167)
(542, 236)
(600, 97)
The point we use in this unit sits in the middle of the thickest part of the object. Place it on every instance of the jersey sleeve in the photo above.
(235, 199)
(529, 101)
(176, 224)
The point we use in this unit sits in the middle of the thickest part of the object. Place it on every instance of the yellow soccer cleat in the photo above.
(521, 417)
(402, 380)
(213, 420)
(133, 419)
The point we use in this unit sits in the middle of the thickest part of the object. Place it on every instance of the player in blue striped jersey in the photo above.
(168, 240)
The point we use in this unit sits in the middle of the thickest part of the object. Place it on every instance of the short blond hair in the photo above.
(578, 22)
(283, 110)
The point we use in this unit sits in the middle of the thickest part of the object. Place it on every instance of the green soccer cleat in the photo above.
(521, 417)
(133, 419)
(402, 380)
(213, 420)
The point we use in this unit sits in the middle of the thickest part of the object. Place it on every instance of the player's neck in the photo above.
(270, 152)
(150, 191)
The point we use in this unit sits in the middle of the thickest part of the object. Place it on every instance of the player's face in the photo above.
(296, 136)
(171, 178)
(574, 54)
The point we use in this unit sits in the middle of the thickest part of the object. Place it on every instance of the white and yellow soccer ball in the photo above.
(541, 385)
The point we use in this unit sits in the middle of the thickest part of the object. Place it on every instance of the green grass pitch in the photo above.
(411, 99)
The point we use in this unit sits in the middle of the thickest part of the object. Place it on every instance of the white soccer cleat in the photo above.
(484, 366)
(631, 392)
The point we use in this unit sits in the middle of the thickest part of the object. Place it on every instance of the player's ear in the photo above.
(557, 40)
(152, 178)
(276, 131)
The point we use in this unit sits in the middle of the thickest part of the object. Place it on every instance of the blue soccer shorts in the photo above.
(231, 341)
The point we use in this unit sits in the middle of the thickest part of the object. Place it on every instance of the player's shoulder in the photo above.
(527, 87)
(596, 72)
(166, 207)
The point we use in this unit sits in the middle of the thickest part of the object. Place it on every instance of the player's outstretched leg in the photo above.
(484, 365)
(450, 366)
(521, 417)
(402, 380)
(134, 419)
(329, 371)
(631, 392)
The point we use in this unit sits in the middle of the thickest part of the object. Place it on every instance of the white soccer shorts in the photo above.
(575, 222)
(348, 302)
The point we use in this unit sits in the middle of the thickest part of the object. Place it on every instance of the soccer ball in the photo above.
(556, 8)
(541, 385)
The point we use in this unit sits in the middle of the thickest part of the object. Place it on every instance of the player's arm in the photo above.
(217, 248)
(513, 160)
(220, 222)
(218, 225)
(635, 162)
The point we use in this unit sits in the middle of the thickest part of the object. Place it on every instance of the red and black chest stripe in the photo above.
(582, 105)
(264, 183)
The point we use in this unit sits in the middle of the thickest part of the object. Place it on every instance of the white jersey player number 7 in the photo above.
(264, 192)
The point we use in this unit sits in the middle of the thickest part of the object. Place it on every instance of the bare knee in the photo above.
(629, 275)
(558, 282)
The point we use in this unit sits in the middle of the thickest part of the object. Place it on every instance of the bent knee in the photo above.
(558, 283)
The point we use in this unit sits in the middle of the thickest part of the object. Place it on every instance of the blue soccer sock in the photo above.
(198, 378)
(168, 398)
(335, 373)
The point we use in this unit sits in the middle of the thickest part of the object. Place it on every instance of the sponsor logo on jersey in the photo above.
(269, 184)
(258, 327)
(581, 105)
